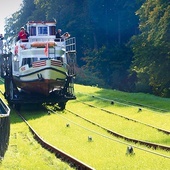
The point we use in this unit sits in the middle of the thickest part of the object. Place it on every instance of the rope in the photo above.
(110, 138)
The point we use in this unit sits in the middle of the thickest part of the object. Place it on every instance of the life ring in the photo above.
(43, 44)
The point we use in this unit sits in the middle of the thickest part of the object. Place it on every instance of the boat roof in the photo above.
(41, 22)
(41, 28)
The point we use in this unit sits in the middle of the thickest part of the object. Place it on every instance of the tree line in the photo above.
(121, 44)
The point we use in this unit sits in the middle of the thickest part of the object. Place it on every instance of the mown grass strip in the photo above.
(146, 99)
(24, 152)
(100, 152)
(157, 119)
(120, 125)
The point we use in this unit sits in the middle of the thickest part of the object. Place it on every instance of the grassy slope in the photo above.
(101, 153)
(24, 153)
(146, 99)
(150, 116)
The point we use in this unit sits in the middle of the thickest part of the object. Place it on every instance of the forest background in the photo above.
(121, 44)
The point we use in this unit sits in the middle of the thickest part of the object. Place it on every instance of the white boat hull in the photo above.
(43, 77)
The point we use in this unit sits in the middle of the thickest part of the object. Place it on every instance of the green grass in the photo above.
(24, 153)
(146, 115)
(155, 118)
(123, 126)
(146, 99)
(103, 152)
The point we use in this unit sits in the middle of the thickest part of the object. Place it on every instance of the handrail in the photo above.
(70, 44)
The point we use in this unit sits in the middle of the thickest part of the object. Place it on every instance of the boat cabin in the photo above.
(41, 45)
(41, 30)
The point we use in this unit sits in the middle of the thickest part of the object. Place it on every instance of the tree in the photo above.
(19, 18)
(152, 47)
(101, 27)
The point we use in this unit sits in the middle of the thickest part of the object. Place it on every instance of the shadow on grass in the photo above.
(124, 99)
(28, 111)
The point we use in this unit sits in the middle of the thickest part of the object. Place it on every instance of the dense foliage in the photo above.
(103, 29)
(151, 48)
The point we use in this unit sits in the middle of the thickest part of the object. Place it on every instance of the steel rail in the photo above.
(127, 118)
(127, 103)
(148, 144)
(73, 162)
(110, 138)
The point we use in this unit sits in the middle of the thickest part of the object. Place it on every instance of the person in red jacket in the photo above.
(23, 35)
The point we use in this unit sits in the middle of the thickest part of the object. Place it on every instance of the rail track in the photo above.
(127, 118)
(126, 103)
(80, 165)
(77, 164)
(148, 144)
(72, 161)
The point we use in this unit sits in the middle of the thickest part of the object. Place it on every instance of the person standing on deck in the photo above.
(23, 35)
(58, 34)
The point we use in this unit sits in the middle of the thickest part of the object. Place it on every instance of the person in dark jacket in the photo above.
(58, 34)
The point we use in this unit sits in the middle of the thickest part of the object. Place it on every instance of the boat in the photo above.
(41, 65)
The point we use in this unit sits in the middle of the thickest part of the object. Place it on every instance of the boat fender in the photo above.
(16, 50)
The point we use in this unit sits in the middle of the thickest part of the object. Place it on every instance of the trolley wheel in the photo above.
(9, 91)
(62, 105)
(16, 106)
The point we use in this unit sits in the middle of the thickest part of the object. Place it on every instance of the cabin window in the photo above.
(44, 58)
(32, 31)
(26, 61)
(34, 59)
(42, 30)
(52, 30)
(29, 61)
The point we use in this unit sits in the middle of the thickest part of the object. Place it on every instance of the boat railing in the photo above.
(29, 41)
(45, 39)
(70, 44)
